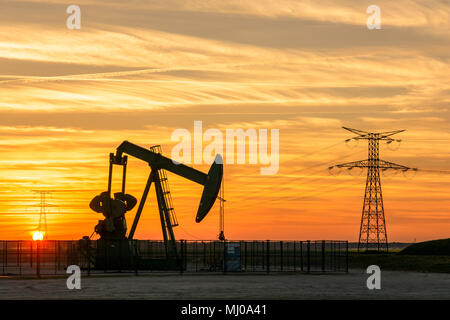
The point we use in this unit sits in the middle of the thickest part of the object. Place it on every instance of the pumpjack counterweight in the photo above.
(373, 232)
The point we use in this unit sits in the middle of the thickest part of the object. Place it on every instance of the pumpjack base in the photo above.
(123, 255)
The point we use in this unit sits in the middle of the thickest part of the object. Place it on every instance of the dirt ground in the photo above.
(394, 285)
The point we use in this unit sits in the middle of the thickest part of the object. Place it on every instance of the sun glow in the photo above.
(38, 235)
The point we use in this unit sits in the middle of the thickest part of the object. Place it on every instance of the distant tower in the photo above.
(42, 227)
(222, 200)
(373, 233)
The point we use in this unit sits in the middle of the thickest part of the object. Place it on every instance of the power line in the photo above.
(434, 171)
(305, 195)
(283, 189)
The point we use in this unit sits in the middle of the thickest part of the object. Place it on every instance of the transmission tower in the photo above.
(42, 227)
(372, 233)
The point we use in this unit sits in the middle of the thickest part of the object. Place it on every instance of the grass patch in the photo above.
(434, 247)
(400, 262)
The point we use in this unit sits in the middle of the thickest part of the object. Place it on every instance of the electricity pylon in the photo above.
(373, 233)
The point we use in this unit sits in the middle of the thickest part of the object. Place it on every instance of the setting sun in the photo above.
(38, 235)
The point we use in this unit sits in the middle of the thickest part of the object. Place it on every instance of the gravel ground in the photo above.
(394, 285)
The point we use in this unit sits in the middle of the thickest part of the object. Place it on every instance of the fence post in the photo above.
(252, 256)
(6, 254)
(268, 255)
(185, 255)
(338, 256)
(204, 254)
(38, 258)
(214, 253)
(346, 255)
(281, 255)
(182, 256)
(59, 255)
(5, 261)
(18, 252)
(105, 256)
(224, 256)
(56, 255)
(308, 256)
(138, 255)
(31, 254)
(295, 262)
(332, 264)
(196, 255)
(88, 255)
(334, 256)
(301, 255)
(245, 257)
(19, 245)
(323, 255)
(264, 260)
(120, 255)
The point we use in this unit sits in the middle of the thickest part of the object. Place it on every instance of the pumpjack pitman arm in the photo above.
(210, 181)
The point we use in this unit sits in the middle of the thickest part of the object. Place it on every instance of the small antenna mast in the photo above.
(222, 200)
(42, 227)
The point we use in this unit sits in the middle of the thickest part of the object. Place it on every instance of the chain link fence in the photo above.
(52, 257)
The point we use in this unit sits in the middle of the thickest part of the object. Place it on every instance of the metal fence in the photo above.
(52, 257)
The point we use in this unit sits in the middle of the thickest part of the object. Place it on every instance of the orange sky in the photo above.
(139, 70)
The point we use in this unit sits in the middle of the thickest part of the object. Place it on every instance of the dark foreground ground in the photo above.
(394, 285)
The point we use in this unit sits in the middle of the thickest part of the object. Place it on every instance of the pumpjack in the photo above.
(116, 249)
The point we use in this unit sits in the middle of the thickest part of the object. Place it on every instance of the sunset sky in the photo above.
(138, 70)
